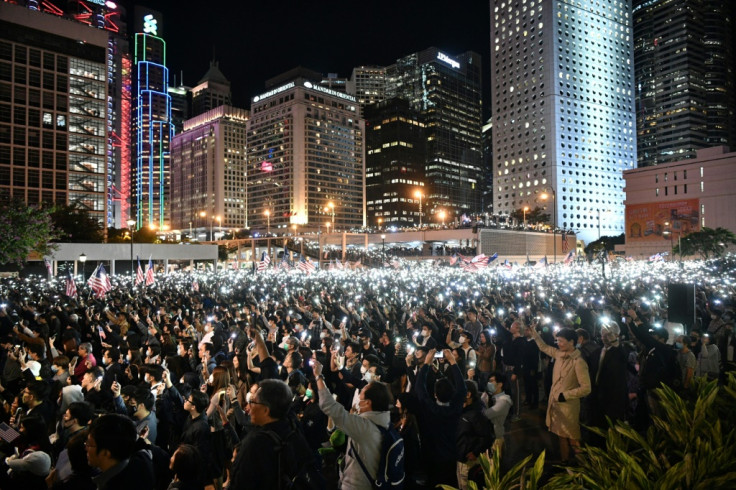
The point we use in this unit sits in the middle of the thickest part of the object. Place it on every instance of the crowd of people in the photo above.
(340, 378)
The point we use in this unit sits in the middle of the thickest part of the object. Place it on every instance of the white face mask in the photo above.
(248, 397)
(368, 376)
(462, 339)
(322, 335)
(207, 328)
(491, 387)
(127, 357)
(363, 369)
(211, 379)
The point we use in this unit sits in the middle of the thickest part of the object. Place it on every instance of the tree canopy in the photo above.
(26, 229)
(533, 217)
(707, 243)
(75, 224)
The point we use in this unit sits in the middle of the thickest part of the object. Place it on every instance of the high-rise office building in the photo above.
(181, 106)
(208, 173)
(487, 185)
(562, 92)
(367, 84)
(152, 122)
(305, 156)
(213, 90)
(446, 90)
(685, 87)
(53, 110)
(107, 17)
(395, 156)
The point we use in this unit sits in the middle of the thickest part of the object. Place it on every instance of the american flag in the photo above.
(339, 265)
(469, 266)
(542, 263)
(71, 287)
(7, 433)
(263, 264)
(395, 263)
(453, 259)
(356, 264)
(570, 257)
(99, 282)
(306, 265)
(139, 273)
(507, 264)
(149, 273)
(564, 242)
(479, 258)
(656, 258)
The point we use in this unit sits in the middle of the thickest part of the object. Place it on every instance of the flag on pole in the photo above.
(48, 267)
(564, 241)
(71, 287)
(570, 257)
(265, 260)
(139, 277)
(306, 265)
(542, 263)
(149, 273)
(99, 282)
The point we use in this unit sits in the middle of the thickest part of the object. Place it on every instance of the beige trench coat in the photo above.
(569, 377)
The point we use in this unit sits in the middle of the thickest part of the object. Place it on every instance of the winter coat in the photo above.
(571, 379)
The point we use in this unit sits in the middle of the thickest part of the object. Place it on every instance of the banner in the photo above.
(648, 222)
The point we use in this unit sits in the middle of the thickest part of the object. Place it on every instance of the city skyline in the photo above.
(249, 51)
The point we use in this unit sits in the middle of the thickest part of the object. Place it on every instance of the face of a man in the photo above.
(92, 456)
(258, 411)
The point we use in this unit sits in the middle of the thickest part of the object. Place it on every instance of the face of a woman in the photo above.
(565, 345)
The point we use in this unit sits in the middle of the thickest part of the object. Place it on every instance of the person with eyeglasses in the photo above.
(275, 453)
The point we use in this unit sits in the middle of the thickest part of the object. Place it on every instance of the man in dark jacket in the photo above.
(196, 431)
(513, 361)
(276, 451)
(441, 416)
(473, 434)
(111, 448)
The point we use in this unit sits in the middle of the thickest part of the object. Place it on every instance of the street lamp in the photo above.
(383, 241)
(328, 227)
(544, 197)
(442, 217)
(131, 224)
(418, 195)
(526, 208)
(380, 220)
(219, 223)
(268, 221)
(330, 208)
(83, 260)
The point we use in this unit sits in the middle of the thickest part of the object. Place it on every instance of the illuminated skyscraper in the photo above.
(53, 110)
(208, 172)
(367, 84)
(562, 92)
(686, 92)
(305, 152)
(213, 90)
(153, 127)
(446, 90)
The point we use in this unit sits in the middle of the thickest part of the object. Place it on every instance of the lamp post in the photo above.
(418, 195)
(330, 208)
(380, 220)
(83, 260)
(131, 224)
(219, 224)
(268, 221)
(383, 241)
(442, 217)
(546, 196)
(526, 208)
(203, 214)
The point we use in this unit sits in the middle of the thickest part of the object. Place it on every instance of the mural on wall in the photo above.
(662, 220)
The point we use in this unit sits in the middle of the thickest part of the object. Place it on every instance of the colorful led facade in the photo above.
(154, 130)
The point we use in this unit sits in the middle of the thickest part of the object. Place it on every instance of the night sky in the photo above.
(256, 40)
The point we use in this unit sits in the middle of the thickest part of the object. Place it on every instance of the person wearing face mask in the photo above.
(74, 420)
(366, 345)
(709, 360)
(685, 359)
(60, 368)
(141, 404)
(610, 392)
(113, 368)
(499, 404)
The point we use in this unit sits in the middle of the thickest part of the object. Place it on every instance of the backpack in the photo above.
(307, 477)
(391, 465)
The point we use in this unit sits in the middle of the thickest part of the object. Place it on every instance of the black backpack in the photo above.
(391, 465)
(307, 477)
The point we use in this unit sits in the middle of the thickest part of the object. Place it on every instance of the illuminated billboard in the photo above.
(650, 221)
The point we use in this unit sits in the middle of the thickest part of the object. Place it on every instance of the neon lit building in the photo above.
(305, 151)
(562, 93)
(106, 16)
(53, 110)
(153, 127)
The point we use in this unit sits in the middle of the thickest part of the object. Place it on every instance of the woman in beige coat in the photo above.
(570, 382)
